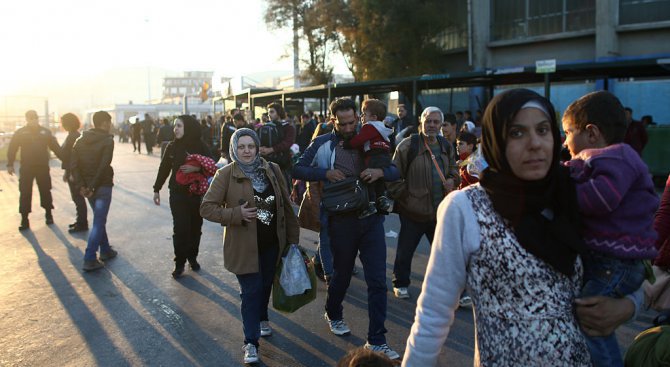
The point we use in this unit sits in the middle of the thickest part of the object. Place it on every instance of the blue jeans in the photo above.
(325, 253)
(97, 237)
(608, 276)
(408, 239)
(255, 291)
(350, 235)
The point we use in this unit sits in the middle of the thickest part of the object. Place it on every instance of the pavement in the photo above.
(133, 313)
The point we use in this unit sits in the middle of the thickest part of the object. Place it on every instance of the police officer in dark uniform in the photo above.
(34, 142)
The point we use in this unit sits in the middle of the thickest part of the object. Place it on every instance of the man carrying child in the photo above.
(374, 140)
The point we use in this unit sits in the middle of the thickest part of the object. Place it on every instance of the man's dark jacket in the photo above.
(92, 158)
(35, 142)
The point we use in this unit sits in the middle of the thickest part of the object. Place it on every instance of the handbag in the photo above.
(657, 294)
(282, 302)
(344, 196)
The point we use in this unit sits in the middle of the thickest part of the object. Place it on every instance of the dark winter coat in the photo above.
(35, 142)
(92, 158)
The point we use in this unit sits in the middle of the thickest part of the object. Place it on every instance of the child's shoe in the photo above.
(384, 204)
(371, 209)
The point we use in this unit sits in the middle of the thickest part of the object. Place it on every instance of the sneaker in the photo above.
(400, 292)
(104, 256)
(384, 349)
(370, 210)
(338, 327)
(266, 330)
(250, 353)
(465, 301)
(91, 265)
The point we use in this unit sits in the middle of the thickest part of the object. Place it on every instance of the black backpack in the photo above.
(270, 134)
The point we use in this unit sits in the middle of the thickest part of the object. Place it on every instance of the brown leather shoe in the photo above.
(92, 265)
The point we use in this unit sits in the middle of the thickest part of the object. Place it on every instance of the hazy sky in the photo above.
(54, 47)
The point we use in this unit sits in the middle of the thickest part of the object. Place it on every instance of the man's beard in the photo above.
(345, 137)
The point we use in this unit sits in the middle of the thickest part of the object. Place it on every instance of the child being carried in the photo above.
(375, 141)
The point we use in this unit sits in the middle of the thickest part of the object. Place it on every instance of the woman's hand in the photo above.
(600, 315)
(248, 214)
(157, 198)
(187, 168)
(294, 195)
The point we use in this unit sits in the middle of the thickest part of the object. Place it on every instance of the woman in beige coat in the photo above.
(250, 198)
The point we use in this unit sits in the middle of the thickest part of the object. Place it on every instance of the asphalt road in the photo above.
(133, 313)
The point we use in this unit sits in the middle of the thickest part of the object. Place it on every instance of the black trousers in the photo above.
(149, 143)
(137, 142)
(79, 203)
(27, 175)
(186, 222)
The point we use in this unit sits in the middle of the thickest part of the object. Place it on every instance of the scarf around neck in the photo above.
(543, 213)
(253, 170)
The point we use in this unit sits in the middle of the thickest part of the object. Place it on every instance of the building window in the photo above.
(643, 11)
(518, 19)
(455, 36)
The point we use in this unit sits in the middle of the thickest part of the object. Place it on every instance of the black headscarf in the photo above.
(543, 213)
(190, 143)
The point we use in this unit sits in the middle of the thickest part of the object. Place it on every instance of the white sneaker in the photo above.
(401, 292)
(250, 353)
(266, 330)
(465, 301)
(338, 327)
(384, 349)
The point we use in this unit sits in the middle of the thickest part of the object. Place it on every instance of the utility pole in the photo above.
(46, 113)
(149, 84)
(296, 50)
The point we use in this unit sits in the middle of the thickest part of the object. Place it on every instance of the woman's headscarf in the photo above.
(191, 130)
(254, 169)
(543, 213)
(190, 143)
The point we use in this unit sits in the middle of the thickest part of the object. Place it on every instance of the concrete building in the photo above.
(122, 112)
(488, 34)
(189, 84)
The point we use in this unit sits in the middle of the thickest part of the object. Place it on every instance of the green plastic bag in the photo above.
(282, 302)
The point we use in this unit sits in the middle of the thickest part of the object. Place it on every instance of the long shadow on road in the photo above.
(137, 330)
(99, 343)
(286, 343)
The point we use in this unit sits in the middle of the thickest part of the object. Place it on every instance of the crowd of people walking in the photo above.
(550, 252)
